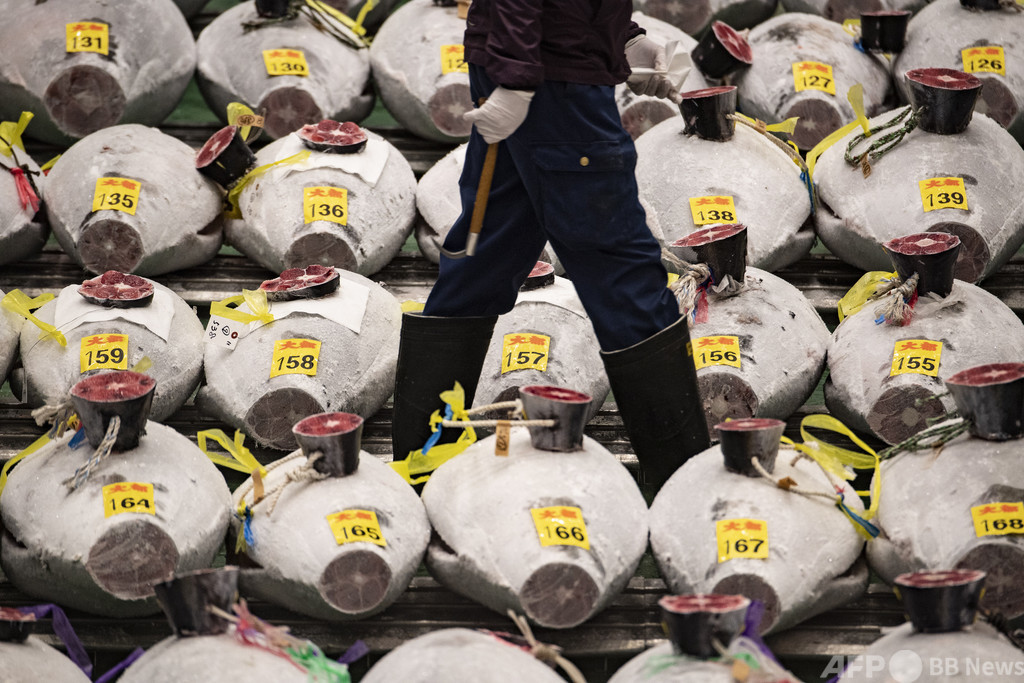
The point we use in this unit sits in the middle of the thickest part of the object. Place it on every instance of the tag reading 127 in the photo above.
(87, 36)
(116, 194)
(525, 351)
(723, 350)
(453, 59)
(710, 210)
(295, 357)
(561, 525)
(325, 204)
(742, 539)
(128, 496)
(813, 76)
(987, 59)
(919, 356)
(285, 62)
(103, 352)
(356, 526)
(942, 193)
(998, 519)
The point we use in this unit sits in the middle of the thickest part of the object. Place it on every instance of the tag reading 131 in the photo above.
(813, 76)
(998, 519)
(561, 526)
(325, 204)
(453, 59)
(87, 36)
(742, 538)
(943, 193)
(295, 357)
(988, 59)
(524, 351)
(103, 352)
(128, 496)
(916, 355)
(116, 194)
(724, 350)
(708, 210)
(356, 526)
(283, 62)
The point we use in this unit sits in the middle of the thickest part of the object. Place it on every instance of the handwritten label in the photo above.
(920, 356)
(524, 351)
(225, 332)
(356, 526)
(87, 36)
(709, 210)
(294, 357)
(561, 525)
(943, 193)
(813, 76)
(128, 496)
(988, 59)
(285, 62)
(325, 204)
(998, 519)
(723, 350)
(742, 539)
(116, 194)
(501, 434)
(103, 352)
(453, 59)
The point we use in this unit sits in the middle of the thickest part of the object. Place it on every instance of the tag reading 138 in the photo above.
(524, 351)
(723, 350)
(87, 36)
(103, 352)
(742, 539)
(919, 356)
(128, 496)
(325, 204)
(998, 519)
(285, 62)
(116, 194)
(355, 526)
(453, 59)
(295, 357)
(710, 210)
(942, 193)
(561, 525)
(813, 76)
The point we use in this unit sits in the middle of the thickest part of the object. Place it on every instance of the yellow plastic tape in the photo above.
(861, 292)
(10, 133)
(144, 364)
(787, 126)
(852, 26)
(255, 299)
(235, 191)
(49, 164)
(18, 302)
(416, 468)
(356, 26)
(241, 460)
(410, 306)
(856, 98)
(235, 110)
(32, 448)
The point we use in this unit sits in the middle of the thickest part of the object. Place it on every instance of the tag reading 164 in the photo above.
(325, 204)
(920, 356)
(284, 62)
(724, 350)
(116, 194)
(742, 539)
(355, 526)
(561, 525)
(524, 351)
(87, 36)
(942, 193)
(453, 59)
(813, 76)
(990, 59)
(998, 519)
(103, 352)
(295, 357)
(128, 496)
(709, 210)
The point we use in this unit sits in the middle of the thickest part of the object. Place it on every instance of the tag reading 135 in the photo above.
(561, 525)
(813, 76)
(742, 539)
(524, 351)
(710, 210)
(128, 496)
(116, 194)
(724, 350)
(295, 357)
(356, 526)
(987, 59)
(998, 519)
(103, 352)
(942, 193)
(325, 204)
(453, 59)
(919, 356)
(285, 62)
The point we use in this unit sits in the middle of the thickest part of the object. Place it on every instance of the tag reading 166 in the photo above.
(103, 352)
(128, 496)
(116, 194)
(87, 36)
(919, 356)
(295, 357)
(561, 525)
(285, 62)
(453, 59)
(742, 539)
(998, 519)
(355, 526)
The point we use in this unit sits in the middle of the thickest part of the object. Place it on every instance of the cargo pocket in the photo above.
(588, 192)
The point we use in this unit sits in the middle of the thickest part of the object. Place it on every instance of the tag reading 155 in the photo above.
(813, 76)
(87, 36)
(561, 525)
(723, 350)
(285, 62)
(295, 357)
(919, 356)
(453, 59)
(128, 496)
(116, 194)
(998, 519)
(742, 539)
(103, 352)
(325, 204)
(356, 526)
(942, 193)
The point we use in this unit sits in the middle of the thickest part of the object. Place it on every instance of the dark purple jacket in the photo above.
(521, 43)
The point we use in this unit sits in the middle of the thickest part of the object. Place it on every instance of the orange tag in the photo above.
(501, 434)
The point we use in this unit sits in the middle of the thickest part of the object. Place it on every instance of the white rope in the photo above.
(549, 654)
(894, 308)
(300, 474)
(81, 475)
(246, 487)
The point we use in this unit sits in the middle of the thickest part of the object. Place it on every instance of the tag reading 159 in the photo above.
(103, 352)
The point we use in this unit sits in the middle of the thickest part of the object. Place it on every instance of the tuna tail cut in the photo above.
(186, 600)
(655, 387)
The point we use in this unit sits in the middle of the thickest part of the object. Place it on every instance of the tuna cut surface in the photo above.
(130, 63)
(696, 16)
(316, 76)
(34, 660)
(21, 235)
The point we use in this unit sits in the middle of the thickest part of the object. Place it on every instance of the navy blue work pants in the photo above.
(564, 176)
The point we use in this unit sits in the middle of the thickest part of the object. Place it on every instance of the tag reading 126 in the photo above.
(919, 356)
(988, 59)
(561, 525)
(998, 519)
(295, 357)
(453, 59)
(356, 526)
(724, 350)
(942, 193)
(813, 76)
(103, 352)
(325, 204)
(710, 210)
(742, 539)
(285, 62)
(87, 36)
(524, 351)
(128, 496)
(116, 194)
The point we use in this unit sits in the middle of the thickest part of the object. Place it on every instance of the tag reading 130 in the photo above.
(919, 356)
(710, 210)
(453, 59)
(325, 204)
(561, 525)
(987, 59)
(724, 350)
(942, 193)
(998, 519)
(87, 36)
(285, 62)
(116, 194)
(524, 351)
(103, 352)
(295, 357)
(742, 539)
(128, 496)
(356, 526)
(813, 76)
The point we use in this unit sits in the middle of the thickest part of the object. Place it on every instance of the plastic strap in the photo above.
(26, 194)
(62, 627)
(236, 189)
(354, 25)
(863, 291)
(241, 460)
(9, 465)
(10, 133)
(416, 468)
(787, 126)
(255, 299)
(124, 664)
(45, 168)
(320, 668)
(855, 96)
(16, 301)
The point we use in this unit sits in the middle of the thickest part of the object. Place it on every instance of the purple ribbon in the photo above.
(116, 671)
(752, 626)
(358, 650)
(62, 627)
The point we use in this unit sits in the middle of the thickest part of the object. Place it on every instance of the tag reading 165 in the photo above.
(128, 496)
(87, 36)
(919, 356)
(116, 194)
(285, 62)
(742, 539)
(355, 526)
(453, 59)
(295, 357)
(103, 352)
(998, 519)
(561, 525)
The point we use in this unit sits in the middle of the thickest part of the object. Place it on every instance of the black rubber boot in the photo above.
(434, 353)
(655, 387)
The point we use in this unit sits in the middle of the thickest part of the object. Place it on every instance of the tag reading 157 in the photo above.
(128, 496)
(87, 36)
(354, 526)
(103, 352)
(285, 62)
(295, 357)
(742, 539)
(116, 194)
(998, 519)
(561, 525)
(453, 59)
(525, 351)
(919, 356)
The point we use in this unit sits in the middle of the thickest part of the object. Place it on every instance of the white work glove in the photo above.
(649, 65)
(501, 114)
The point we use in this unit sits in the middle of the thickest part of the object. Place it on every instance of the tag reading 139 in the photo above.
(943, 193)
(561, 525)
(285, 62)
(987, 59)
(742, 539)
(116, 194)
(453, 59)
(87, 36)
(524, 351)
(294, 357)
(356, 526)
(325, 204)
(128, 496)
(919, 356)
(103, 352)
(813, 76)
(724, 350)
(998, 519)
(710, 210)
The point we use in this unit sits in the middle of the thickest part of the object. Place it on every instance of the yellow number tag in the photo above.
(524, 351)
(988, 59)
(943, 193)
(561, 526)
(813, 76)
(104, 352)
(87, 36)
(742, 538)
(284, 62)
(453, 59)
(724, 350)
(710, 210)
(916, 355)
(356, 526)
(295, 357)
(998, 519)
(128, 496)
(116, 194)
(325, 204)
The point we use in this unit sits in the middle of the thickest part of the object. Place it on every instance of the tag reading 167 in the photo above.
(103, 352)
(742, 539)
(561, 525)
(128, 496)
(295, 357)
(355, 526)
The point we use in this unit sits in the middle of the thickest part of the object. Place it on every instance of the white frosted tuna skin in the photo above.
(487, 546)
(406, 61)
(975, 328)
(293, 564)
(51, 369)
(694, 16)
(34, 660)
(650, 667)
(152, 58)
(764, 183)
(858, 214)
(50, 548)
(813, 547)
(10, 332)
(20, 236)
(230, 68)
(459, 654)
(840, 10)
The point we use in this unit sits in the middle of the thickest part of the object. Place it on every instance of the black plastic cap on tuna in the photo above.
(721, 51)
(746, 439)
(722, 247)
(542, 275)
(883, 31)
(941, 601)
(225, 157)
(186, 600)
(566, 407)
(696, 622)
(706, 112)
(946, 98)
(15, 625)
(991, 398)
(272, 9)
(336, 437)
(126, 394)
(985, 5)
(932, 255)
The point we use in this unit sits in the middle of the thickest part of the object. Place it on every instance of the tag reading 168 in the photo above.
(561, 525)
(128, 496)
(103, 352)
(998, 519)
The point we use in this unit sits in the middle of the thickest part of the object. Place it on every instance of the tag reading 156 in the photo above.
(988, 59)
(453, 59)
(710, 210)
(813, 76)
(116, 194)
(87, 36)
(103, 352)
(561, 525)
(998, 519)
(356, 526)
(942, 193)
(295, 357)
(919, 356)
(723, 350)
(325, 204)
(742, 539)
(525, 351)
(128, 496)
(285, 62)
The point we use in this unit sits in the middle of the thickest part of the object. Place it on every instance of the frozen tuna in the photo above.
(95, 527)
(10, 332)
(101, 336)
(841, 10)
(555, 534)
(695, 16)
(285, 67)
(418, 66)
(25, 657)
(334, 352)
(83, 65)
(21, 183)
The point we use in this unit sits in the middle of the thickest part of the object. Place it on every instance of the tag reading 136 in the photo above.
(128, 496)
(724, 350)
(813, 76)
(987, 59)
(87, 36)
(919, 356)
(116, 194)
(709, 210)
(943, 193)
(561, 525)
(295, 357)
(103, 352)
(742, 539)
(524, 351)
(285, 62)
(998, 519)
(453, 59)
(355, 526)
(325, 204)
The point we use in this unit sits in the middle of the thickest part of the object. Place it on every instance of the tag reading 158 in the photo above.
(103, 352)
(128, 496)
(561, 525)
(295, 357)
